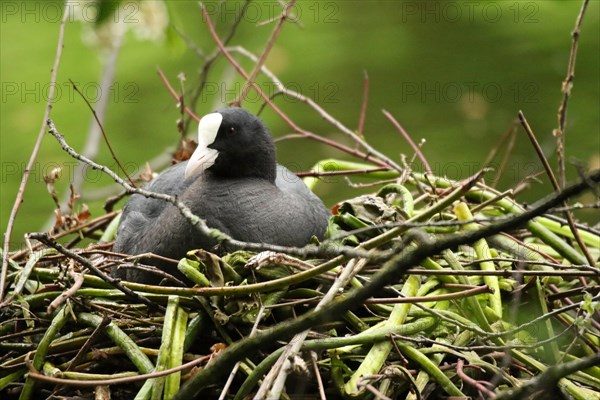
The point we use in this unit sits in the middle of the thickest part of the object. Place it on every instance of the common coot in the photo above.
(233, 182)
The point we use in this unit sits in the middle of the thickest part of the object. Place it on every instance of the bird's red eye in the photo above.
(231, 130)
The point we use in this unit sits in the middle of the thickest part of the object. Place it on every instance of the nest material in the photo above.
(480, 319)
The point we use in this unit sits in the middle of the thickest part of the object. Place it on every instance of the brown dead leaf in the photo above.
(84, 214)
(185, 150)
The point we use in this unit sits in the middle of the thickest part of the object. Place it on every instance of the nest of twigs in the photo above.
(427, 288)
(443, 289)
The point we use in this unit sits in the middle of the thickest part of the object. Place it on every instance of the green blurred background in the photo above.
(454, 73)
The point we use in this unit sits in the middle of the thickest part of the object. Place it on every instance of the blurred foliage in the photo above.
(454, 73)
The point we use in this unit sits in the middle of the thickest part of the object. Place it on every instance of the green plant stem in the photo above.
(178, 338)
(59, 320)
(121, 339)
(429, 366)
(379, 352)
(482, 249)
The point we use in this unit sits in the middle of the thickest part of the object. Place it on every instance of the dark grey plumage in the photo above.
(245, 194)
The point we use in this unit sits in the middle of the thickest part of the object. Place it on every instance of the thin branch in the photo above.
(181, 106)
(555, 184)
(345, 172)
(210, 60)
(45, 238)
(116, 381)
(567, 85)
(34, 152)
(549, 377)
(277, 372)
(175, 94)
(110, 149)
(363, 108)
(538, 150)
(467, 379)
(267, 49)
(510, 134)
(91, 146)
(424, 299)
(70, 292)
(406, 137)
(504, 273)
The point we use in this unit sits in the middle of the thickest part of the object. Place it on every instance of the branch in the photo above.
(556, 186)
(45, 238)
(363, 108)
(263, 57)
(412, 144)
(34, 152)
(110, 149)
(549, 377)
(115, 381)
(210, 60)
(567, 85)
(174, 94)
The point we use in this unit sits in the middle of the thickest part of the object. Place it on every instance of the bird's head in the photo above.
(232, 143)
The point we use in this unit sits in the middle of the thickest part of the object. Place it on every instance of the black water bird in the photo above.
(234, 183)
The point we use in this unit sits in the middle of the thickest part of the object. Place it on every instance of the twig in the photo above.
(549, 377)
(420, 299)
(510, 134)
(424, 299)
(45, 238)
(467, 379)
(277, 372)
(363, 108)
(95, 130)
(313, 360)
(181, 106)
(34, 152)
(512, 346)
(225, 389)
(406, 137)
(93, 224)
(116, 381)
(346, 172)
(263, 57)
(88, 343)
(175, 95)
(59, 300)
(210, 60)
(504, 273)
(555, 184)
(110, 149)
(567, 85)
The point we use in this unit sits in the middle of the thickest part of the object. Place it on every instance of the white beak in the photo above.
(204, 157)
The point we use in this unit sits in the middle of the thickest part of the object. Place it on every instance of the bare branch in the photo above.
(555, 184)
(34, 152)
(567, 85)
(110, 149)
(45, 238)
(267, 49)
(412, 144)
